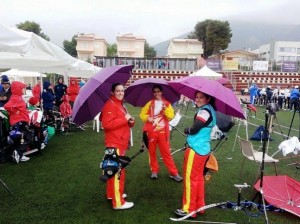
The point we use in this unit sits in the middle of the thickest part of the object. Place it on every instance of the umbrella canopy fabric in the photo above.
(140, 92)
(94, 94)
(225, 100)
(282, 192)
(223, 81)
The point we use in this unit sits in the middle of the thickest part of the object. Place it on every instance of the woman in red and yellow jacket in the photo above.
(117, 122)
(157, 113)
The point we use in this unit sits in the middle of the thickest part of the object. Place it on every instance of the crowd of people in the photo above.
(286, 98)
(28, 122)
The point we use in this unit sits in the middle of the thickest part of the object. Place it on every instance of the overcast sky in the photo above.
(156, 20)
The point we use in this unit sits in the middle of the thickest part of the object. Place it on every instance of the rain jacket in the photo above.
(36, 91)
(16, 106)
(65, 108)
(73, 89)
(116, 127)
(48, 96)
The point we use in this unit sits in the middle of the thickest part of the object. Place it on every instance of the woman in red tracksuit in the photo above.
(117, 122)
(18, 119)
(156, 115)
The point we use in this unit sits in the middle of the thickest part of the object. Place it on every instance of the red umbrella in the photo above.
(281, 191)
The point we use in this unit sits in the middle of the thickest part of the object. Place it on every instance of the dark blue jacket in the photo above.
(60, 89)
(48, 96)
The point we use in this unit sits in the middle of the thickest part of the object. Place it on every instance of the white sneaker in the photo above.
(16, 156)
(24, 159)
(123, 196)
(43, 145)
(126, 205)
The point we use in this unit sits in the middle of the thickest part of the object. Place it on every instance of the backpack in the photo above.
(258, 134)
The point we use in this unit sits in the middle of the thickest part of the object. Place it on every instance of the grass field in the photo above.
(62, 185)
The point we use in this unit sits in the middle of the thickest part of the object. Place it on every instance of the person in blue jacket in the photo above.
(48, 101)
(294, 98)
(253, 93)
(60, 89)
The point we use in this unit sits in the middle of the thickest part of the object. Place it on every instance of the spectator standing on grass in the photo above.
(60, 89)
(156, 114)
(294, 99)
(73, 90)
(117, 122)
(196, 155)
(36, 91)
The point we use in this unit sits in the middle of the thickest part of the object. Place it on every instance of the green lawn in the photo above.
(62, 185)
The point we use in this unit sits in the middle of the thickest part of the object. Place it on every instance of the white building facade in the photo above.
(89, 45)
(185, 48)
(129, 45)
(280, 51)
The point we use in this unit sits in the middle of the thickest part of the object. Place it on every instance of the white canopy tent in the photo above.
(206, 72)
(27, 51)
(23, 76)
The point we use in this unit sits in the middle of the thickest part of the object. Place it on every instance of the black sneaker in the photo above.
(181, 213)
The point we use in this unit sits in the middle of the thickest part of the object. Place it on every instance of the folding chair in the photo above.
(250, 153)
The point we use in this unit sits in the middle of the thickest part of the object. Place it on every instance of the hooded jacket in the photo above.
(65, 108)
(48, 96)
(16, 106)
(36, 91)
(73, 89)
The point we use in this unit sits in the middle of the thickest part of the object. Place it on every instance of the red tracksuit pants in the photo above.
(160, 139)
(115, 186)
(193, 181)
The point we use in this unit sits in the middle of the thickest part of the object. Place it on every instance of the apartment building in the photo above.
(280, 51)
(89, 45)
(129, 45)
(185, 48)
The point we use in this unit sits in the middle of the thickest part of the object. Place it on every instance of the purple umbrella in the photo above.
(225, 100)
(223, 81)
(94, 94)
(140, 92)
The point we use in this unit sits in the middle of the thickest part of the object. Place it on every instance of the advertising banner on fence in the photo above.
(260, 65)
(230, 65)
(214, 64)
(289, 66)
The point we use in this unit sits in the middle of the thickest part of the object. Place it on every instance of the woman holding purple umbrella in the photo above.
(156, 114)
(196, 155)
(117, 122)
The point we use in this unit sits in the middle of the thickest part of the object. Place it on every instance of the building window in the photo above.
(287, 49)
(298, 50)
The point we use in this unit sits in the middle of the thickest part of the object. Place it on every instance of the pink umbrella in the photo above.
(94, 94)
(140, 92)
(282, 192)
(225, 100)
